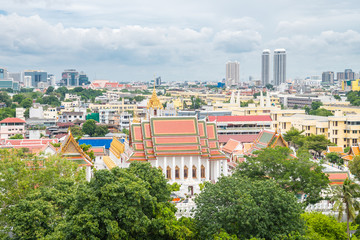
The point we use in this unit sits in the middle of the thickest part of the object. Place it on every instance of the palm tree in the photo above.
(345, 198)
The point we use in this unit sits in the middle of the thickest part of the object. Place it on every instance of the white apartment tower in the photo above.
(279, 66)
(265, 67)
(232, 73)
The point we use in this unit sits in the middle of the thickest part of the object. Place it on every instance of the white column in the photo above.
(182, 169)
(190, 169)
(199, 169)
(207, 170)
(156, 163)
(217, 170)
(173, 169)
(225, 168)
(165, 166)
(221, 167)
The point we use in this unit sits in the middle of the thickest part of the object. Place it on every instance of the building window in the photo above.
(186, 172)
(202, 171)
(194, 171)
(177, 172)
(168, 172)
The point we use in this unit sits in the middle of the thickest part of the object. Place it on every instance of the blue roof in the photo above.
(96, 142)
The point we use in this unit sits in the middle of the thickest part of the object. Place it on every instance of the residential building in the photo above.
(232, 73)
(36, 112)
(328, 77)
(50, 113)
(300, 102)
(105, 115)
(125, 120)
(119, 106)
(71, 116)
(20, 113)
(279, 66)
(265, 67)
(349, 74)
(11, 126)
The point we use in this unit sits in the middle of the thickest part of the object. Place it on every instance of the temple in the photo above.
(184, 148)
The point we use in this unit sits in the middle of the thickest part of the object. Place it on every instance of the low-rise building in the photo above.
(71, 116)
(11, 126)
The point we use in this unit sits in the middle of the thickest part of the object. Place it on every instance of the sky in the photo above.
(183, 40)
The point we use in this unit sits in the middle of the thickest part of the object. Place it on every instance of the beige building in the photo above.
(118, 106)
(344, 131)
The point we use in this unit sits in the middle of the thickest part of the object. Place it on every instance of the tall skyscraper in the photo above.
(327, 77)
(265, 67)
(37, 77)
(279, 66)
(70, 77)
(349, 74)
(232, 73)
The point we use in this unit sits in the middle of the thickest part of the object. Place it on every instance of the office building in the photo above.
(6, 81)
(83, 79)
(340, 76)
(158, 81)
(349, 74)
(265, 67)
(37, 77)
(279, 66)
(232, 73)
(327, 77)
(70, 77)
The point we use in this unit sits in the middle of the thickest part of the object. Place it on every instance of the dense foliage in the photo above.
(353, 97)
(90, 128)
(247, 208)
(298, 175)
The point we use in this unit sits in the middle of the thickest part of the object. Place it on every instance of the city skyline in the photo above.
(179, 41)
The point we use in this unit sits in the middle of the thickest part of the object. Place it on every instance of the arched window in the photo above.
(177, 172)
(186, 172)
(168, 172)
(194, 171)
(160, 169)
(202, 171)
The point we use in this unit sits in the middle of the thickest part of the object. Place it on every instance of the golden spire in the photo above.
(154, 101)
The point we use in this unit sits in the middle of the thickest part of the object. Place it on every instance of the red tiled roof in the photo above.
(67, 124)
(230, 145)
(243, 138)
(252, 118)
(12, 120)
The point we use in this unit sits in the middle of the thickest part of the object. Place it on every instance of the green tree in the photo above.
(247, 208)
(307, 110)
(345, 198)
(298, 175)
(5, 98)
(337, 97)
(27, 103)
(139, 98)
(321, 112)
(269, 86)
(317, 143)
(89, 127)
(316, 105)
(296, 106)
(51, 100)
(117, 204)
(294, 137)
(126, 131)
(18, 98)
(20, 177)
(323, 227)
(49, 90)
(76, 131)
(101, 131)
(17, 136)
(354, 166)
(334, 158)
(6, 113)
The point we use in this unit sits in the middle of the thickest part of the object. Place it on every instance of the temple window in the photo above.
(177, 172)
(202, 171)
(168, 172)
(186, 172)
(194, 171)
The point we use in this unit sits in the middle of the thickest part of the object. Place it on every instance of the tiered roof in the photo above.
(116, 147)
(71, 150)
(174, 136)
(354, 151)
(154, 101)
(268, 138)
(337, 178)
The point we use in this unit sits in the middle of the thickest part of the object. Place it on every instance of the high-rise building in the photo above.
(349, 74)
(232, 73)
(328, 77)
(340, 76)
(6, 81)
(70, 77)
(279, 66)
(37, 76)
(158, 81)
(83, 79)
(265, 67)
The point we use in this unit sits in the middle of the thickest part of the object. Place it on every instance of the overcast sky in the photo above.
(178, 40)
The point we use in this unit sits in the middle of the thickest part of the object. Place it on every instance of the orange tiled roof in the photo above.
(230, 146)
(355, 150)
(337, 178)
(348, 157)
(108, 162)
(335, 149)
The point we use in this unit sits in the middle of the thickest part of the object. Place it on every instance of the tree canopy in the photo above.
(298, 175)
(247, 208)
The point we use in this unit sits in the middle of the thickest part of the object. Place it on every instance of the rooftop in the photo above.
(253, 118)
(12, 120)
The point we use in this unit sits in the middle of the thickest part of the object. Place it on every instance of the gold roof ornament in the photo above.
(136, 119)
(154, 101)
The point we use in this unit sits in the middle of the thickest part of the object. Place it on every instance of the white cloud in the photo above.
(237, 41)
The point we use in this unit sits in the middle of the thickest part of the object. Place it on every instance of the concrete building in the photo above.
(37, 77)
(291, 101)
(20, 113)
(70, 77)
(51, 113)
(36, 112)
(11, 126)
(265, 67)
(279, 66)
(232, 73)
(71, 116)
(328, 77)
